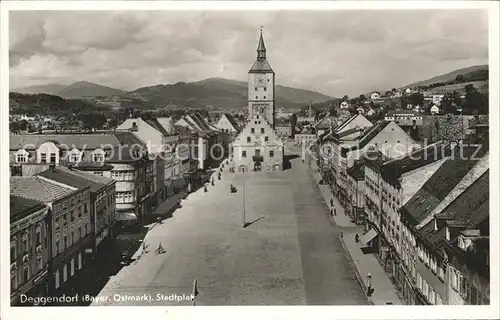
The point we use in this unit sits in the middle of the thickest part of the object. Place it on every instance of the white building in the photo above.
(435, 109)
(375, 95)
(257, 147)
(227, 124)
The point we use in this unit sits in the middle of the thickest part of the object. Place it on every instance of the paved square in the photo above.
(289, 255)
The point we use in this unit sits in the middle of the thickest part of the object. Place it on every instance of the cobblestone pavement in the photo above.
(290, 255)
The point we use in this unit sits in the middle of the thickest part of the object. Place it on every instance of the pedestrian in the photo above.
(331, 202)
(356, 238)
(369, 284)
(331, 212)
(334, 211)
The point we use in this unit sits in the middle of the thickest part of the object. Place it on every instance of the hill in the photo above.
(220, 92)
(45, 104)
(48, 89)
(468, 72)
(73, 91)
(87, 89)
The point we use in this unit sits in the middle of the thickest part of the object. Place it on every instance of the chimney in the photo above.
(134, 126)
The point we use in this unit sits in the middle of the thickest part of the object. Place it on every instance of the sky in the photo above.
(333, 52)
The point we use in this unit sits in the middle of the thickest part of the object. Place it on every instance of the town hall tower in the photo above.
(261, 86)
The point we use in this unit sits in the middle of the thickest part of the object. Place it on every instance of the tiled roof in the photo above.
(405, 112)
(345, 122)
(357, 171)
(38, 189)
(261, 65)
(433, 237)
(22, 207)
(128, 138)
(393, 169)
(79, 141)
(155, 124)
(74, 178)
(440, 184)
(327, 122)
(231, 120)
(472, 207)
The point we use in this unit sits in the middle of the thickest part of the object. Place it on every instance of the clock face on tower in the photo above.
(260, 80)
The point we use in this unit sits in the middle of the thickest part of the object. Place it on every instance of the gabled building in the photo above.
(257, 148)
(227, 124)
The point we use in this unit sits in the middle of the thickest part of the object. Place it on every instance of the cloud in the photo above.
(335, 52)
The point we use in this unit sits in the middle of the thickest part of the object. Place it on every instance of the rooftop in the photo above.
(70, 141)
(76, 178)
(21, 207)
(38, 189)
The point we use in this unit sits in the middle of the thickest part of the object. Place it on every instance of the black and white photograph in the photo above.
(263, 154)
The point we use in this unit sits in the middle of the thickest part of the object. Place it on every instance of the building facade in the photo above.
(29, 248)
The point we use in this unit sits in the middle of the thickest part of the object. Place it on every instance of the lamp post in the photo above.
(243, 215)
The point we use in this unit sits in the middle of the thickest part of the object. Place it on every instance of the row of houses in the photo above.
(424, 209)
(78, 190)
(61, 223)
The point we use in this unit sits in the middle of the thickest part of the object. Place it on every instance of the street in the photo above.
(288, 254)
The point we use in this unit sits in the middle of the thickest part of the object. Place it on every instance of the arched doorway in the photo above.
(257, 166)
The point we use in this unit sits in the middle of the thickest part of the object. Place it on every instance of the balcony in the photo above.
(258, 158)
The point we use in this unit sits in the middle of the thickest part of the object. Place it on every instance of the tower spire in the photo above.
(261, 49)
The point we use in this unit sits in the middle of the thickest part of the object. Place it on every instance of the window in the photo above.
(57, 246)
(256, 97)
(419, 281)
(262, 130)
(79, 261)
(266, 138)
(52, 158)
(38, 235)
(26, 242)
(26, 274)
(256, 89)
(56, 278)
(252, 130)
(244, 154)
(271, 153)
(98, 157)
(39, 263)
(439, 300)
(72, 215)
(86, 208)
(13, 281)
(249, 139)
(43, 157)
(99, 173)
(22, 157)
(432, 296)
(441, 273)
(65, 273)
(79, 211)
(425, 288)
(74, 156)
(265, 88)
(433, 265)
(72, 269)
(264, 97)
(13, 253)
(65, 239)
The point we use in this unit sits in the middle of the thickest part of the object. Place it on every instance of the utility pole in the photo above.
(243, 216)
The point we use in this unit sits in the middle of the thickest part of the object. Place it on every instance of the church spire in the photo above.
(261, 49)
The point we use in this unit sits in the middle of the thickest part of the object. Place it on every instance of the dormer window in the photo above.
(22, 156)
(98, 155)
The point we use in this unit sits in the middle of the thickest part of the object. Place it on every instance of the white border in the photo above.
(326, 312)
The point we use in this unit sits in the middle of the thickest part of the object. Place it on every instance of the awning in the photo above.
(127, 216)
(367, 237)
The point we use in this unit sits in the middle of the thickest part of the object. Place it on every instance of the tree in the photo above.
(345, 98)
(333, 112)
(459, 78)
(362, 98)
(388, 93)
(417, 99)
(23, 125)
(92, 120)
